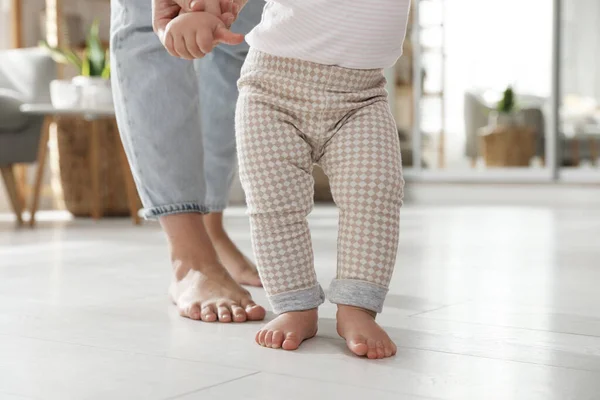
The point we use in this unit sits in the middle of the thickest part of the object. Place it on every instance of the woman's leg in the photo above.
(218, 73)
(240, 267)
(157, 109)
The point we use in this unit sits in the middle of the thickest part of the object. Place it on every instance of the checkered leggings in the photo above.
(292, 114)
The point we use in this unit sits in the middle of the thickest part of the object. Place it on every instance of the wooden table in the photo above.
(93, 116)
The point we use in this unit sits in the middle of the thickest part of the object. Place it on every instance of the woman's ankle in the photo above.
(214, 226)
(189, 243)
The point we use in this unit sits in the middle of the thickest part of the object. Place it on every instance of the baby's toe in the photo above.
(260, 338)
(269, 339)
(277, 339)
(291, 342)
(358, 346)
(380, 349)
(372, 352)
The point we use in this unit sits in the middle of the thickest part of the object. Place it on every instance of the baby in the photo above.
(312, 91)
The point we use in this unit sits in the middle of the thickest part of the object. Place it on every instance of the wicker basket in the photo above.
(75, 172)
(507, 146)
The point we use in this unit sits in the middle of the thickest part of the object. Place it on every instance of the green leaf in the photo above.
(85, 67)
(106, 70)
(507, 104)
(73, 58)
(95, 61)
(96, 55)
(57, 54)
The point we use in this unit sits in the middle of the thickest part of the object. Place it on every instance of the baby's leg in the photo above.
(363, 163)
(275, 170)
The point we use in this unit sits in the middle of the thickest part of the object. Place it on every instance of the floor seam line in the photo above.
(482, 357)
(514, 327)
(322, 337)
(138, 353)
(212, 386)
(18, 395)
(349, 385)
(439, 308)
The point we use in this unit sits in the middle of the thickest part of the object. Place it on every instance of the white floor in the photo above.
(486, 303)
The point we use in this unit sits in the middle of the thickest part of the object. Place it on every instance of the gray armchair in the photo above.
(25, 76)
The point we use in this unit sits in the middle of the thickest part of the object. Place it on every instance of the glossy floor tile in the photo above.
(485, 303)
(45, 369)
(265, 386)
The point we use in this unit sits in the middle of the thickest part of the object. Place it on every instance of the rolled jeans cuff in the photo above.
(215, 207)
(168, 209)
(357, 293)
(297, 300)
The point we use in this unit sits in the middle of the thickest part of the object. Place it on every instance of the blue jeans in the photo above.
(176, 117)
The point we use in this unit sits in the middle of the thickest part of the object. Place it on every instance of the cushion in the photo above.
(11, 118)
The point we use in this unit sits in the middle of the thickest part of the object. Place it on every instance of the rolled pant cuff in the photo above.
(215, 207)
(297, 300)
(357, 293)
(168, 209)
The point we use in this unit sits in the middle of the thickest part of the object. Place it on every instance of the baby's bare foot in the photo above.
(289, 330)
(364, 337)
(212, 295)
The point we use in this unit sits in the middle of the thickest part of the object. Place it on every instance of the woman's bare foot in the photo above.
(212, 295)
(364, 337)
(289, 330)
(239, 266)
(202, 288)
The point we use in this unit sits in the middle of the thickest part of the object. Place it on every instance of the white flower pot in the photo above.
(64, 94)
(96, 93)
(505, 119)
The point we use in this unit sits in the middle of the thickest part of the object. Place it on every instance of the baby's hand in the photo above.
(193, 35)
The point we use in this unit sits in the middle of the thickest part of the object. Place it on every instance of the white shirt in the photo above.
(360, 34)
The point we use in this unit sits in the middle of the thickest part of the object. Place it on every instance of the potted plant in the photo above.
(507, 141)
(506, 112)
(91, 88)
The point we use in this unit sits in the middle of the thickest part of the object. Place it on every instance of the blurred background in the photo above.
(460, 58)
(495, 294)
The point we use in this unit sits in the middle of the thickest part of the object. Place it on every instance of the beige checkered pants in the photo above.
(292, 114)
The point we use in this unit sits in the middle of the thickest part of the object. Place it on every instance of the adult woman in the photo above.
(176, 119)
